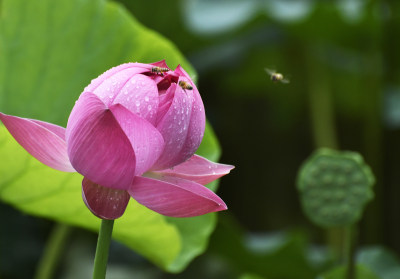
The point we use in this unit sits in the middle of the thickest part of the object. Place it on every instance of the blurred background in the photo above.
(342, 59)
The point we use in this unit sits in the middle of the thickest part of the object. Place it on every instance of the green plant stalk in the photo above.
(53, 251)
(350, 244)
(323, 127)
(103, 246)
(321, 107)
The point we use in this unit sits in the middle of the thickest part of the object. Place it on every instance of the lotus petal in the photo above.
(135, 68)
(175, 197)
(182, 127)
(44, 141)
(140, 95)
(146, 140)
(97, 146)
(161, 64)
(104, 202)
(198, 169)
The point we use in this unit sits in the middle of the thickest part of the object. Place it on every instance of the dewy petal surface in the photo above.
(182, 127)
(105, 203)
(197, 126)
(137, 68)
(111, 87)
(175, 197)
(146, 140)
(140, 95)
(198, 169)
(97, 146)
(44, 141)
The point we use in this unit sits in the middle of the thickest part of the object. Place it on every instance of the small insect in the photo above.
(185, 85)
(159, 70)
(275, 76)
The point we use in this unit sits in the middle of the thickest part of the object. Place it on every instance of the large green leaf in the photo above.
(50, 50)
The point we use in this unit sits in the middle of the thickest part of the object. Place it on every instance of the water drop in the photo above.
(137, 103)
(146, 98)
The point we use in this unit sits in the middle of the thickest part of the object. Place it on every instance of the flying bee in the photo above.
(185, 85)
(275, 76)
(159, 70)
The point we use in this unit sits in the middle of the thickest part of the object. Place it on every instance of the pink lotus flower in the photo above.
(132, 132)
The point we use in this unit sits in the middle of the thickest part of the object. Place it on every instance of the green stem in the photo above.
(103, 246)
(53, 251)
(350, 244)
(321, 106)
(322, 118)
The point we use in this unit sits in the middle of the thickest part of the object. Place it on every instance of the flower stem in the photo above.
(53, 251)
(103, 246)
(350, 243)
(321, 105)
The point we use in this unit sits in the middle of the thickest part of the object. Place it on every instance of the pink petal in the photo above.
(175, 197)
(160, 64)
(44, 141)
(135, 67)
(165, 101)
(146, 140)
(140, 95)
(198, 169)
(182, 127)
(111, 87)
(104, 202)
(181, 72)
(196, 128)
(97, 146)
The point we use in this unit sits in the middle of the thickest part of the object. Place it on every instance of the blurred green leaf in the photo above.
(381, 261)
(340, 272)
(209, 147)
(50, 50)
(267, 255)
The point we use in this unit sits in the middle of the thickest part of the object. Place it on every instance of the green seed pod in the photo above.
(334, 187)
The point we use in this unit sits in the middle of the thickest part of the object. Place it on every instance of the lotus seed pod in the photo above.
(334, 187)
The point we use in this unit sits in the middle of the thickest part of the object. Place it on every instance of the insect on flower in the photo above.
(275, 76)
(159, 70)
(185, 85)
